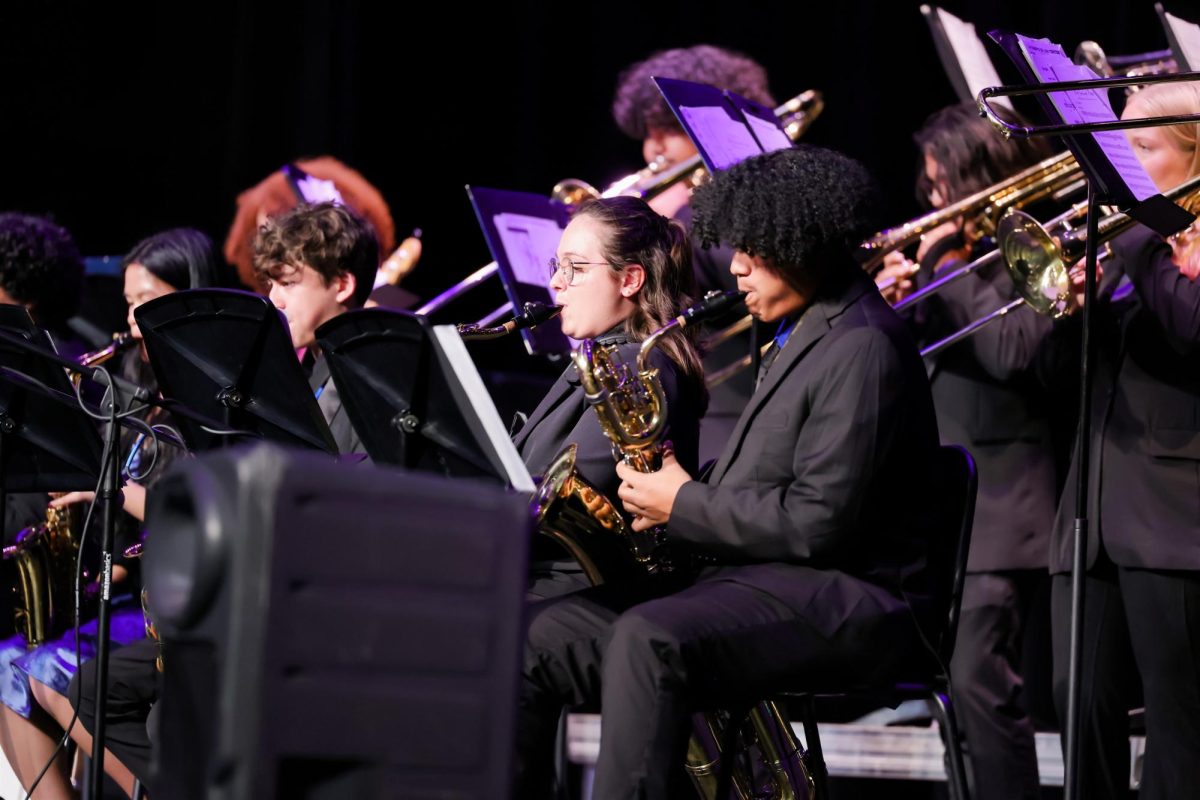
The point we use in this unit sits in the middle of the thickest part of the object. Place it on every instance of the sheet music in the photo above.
(725, 141)
(1187, 34)
(973, 59)
(769, 134)
(463, 369)
(530, 243)
(1051, 63)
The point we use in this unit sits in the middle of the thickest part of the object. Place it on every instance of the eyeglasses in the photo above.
(567, 266)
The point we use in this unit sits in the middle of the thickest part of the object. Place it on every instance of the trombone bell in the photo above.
(1035, 262)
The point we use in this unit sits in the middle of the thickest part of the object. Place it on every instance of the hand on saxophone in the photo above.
(132, 495)
(650, 496)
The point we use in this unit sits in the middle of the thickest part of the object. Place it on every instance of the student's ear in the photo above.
(633, 277)
(346, 285)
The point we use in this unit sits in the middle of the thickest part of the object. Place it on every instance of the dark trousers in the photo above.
(651, 658)
(987, 682)
(1141, 629)
(132, 690)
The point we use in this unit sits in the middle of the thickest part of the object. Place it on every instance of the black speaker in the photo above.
(334, 630)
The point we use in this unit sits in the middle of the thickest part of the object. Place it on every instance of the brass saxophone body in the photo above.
(632, 408)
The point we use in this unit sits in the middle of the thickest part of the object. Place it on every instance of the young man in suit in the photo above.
(317, 262)
(813, 515)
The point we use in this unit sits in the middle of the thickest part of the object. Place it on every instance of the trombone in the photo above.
(1049, 256)
(1039, 259)
(1052, 177)
(796, 116)
(1036, 258)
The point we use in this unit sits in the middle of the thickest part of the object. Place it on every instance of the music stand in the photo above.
(55, 446)
(227, 354)
(43, 446)
(522, 231)
(414, 397)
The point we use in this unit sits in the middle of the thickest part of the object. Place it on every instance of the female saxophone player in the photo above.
(621, 271)
(1142, 615)
(37, 680)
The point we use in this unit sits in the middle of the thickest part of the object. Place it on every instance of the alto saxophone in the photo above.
(45, 554)
(632, 408)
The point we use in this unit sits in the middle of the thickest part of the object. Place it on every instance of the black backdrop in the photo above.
(123, 119)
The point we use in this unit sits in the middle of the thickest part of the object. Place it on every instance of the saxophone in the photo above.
(632, 408)
(45, 554)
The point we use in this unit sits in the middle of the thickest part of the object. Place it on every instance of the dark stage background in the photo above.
(125, 119)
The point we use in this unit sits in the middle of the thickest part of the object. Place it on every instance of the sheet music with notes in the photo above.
(1187, 36)
(529, 242)
(976, 65)
(726, 144)
(1050, 63)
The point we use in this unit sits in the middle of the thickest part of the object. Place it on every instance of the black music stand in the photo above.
(43, 446)
(55, 446)
(227, 355)
(414, 397)
(522, 230)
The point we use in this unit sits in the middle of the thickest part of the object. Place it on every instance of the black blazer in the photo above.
(826, 465)
(564, 417)
(1144, 480)
(989, 400)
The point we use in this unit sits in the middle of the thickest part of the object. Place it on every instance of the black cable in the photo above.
(62, 742)
(106, 454)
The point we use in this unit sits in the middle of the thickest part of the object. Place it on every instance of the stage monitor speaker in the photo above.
(333, 630)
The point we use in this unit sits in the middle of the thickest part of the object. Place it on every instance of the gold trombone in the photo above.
(1139, 65)
(1051, 178)
(796, 115)
(1039, 259)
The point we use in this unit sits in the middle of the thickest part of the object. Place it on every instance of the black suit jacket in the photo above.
(564, 417)
(1144, 480)
(825, 467)
(989, 400)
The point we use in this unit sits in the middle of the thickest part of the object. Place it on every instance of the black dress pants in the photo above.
(651, 656)
(987, 683)
(1141, 630)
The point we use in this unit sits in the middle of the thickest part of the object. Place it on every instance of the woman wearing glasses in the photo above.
(621, 271)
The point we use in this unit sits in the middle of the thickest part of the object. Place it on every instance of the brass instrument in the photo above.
(796, 115)
(1051, 177)
(532, 314)
(1158, 62)
(1039, 259)
(45, 554)
(120, 343)
(135, 551)
(632, 409)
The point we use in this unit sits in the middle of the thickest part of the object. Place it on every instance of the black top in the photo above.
(989, 401)
(1144, 480)
(827, 464)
